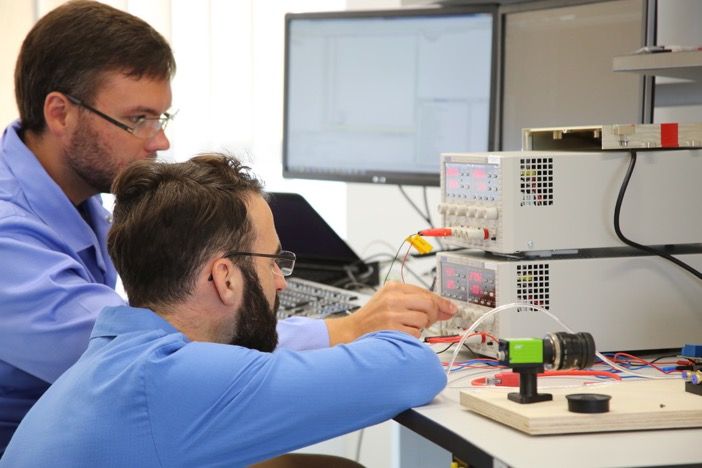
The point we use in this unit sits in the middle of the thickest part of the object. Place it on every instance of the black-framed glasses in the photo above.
(142, 126)
(284, 260)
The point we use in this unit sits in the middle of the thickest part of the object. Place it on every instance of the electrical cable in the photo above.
(426, 205)
(515, 305)
(394, 259)
(417, 276)
(358, 446)
(623, 238)
(445, 349)
(511, 379)
(382, 242)
(424, 216)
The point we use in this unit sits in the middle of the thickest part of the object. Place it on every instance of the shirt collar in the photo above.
(44, 197)
(119, 320)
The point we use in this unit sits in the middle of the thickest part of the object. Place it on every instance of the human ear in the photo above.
(226, 279)
(57, 113)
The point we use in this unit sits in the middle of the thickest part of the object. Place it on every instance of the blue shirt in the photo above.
(144, 395)
(55, 276)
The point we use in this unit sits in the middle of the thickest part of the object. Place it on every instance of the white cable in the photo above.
(514, 305)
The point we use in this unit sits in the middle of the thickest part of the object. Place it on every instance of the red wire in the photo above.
(637, 359)
(457, 338)
(511, 379)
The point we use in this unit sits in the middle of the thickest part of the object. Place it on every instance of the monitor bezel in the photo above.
(389, 177)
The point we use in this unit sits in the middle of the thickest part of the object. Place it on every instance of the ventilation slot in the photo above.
(533, 284)
(536, 181)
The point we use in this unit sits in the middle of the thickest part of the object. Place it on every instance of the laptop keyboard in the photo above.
(310, 299)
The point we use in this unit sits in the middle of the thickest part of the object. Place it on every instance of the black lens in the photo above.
(569, 350)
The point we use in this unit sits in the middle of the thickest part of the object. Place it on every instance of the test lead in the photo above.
(436, 232)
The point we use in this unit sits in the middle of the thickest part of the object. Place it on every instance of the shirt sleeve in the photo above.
(49, 301)
(237, 406)
(302, 333)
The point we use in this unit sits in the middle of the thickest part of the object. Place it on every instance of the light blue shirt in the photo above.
(144, 395)
(55, 276)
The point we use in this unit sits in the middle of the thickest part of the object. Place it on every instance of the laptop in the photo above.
(322, 255)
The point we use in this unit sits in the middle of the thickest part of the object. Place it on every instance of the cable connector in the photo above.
(422, 246)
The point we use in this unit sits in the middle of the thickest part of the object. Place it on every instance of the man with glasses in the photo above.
(93, 89)
(185, 375)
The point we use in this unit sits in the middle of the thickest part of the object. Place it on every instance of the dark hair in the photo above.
(170, 218)
(70, 49)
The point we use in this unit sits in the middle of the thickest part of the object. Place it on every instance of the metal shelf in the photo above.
(686, 65)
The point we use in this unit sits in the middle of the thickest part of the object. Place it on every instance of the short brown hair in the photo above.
(71, 47)
(170, 218)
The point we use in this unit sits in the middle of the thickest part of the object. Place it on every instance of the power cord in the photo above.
(623, 238)
(425, 215)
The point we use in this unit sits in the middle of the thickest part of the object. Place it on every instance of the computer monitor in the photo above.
(557, 65)
(376, 96)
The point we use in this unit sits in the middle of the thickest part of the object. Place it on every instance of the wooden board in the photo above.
(640, 404)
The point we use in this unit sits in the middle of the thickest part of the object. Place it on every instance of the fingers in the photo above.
(396, 306)
(414, 298)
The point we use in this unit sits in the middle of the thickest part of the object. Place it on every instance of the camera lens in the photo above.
(569, 350)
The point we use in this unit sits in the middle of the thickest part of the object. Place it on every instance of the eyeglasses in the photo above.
(142, 126)
(284, 260)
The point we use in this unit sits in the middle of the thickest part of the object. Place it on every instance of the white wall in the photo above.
(16, 18)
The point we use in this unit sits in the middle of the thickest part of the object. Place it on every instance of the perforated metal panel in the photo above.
(533, 284)
(536, 181)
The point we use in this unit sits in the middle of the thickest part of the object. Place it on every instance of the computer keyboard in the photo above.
(310, 299)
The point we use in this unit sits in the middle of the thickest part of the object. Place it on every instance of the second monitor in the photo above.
(376, 96)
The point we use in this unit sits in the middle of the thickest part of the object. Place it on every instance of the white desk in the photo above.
(482, 442)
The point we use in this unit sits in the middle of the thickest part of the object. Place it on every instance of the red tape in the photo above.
(669, 135)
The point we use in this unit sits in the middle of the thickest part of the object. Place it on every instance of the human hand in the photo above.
(396, 306)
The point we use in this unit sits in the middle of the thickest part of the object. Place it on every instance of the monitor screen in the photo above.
(377, 96)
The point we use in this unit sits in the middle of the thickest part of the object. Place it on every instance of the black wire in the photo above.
(424, 216)
(643, 364)
(445, 349)
(644, 248)
(393, 262)
(426, 206)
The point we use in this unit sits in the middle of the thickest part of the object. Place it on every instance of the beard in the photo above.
(256, 324)
(91, 159)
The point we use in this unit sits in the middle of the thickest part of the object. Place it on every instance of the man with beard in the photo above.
(93, 90)
(184, 375)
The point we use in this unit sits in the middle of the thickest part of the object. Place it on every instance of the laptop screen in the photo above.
(302, 230)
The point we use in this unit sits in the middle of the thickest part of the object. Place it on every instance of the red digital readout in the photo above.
(451, 284)
(475, 289)
(478, 173)
(452, 171)
(448, 271)
(452, 183)
(475, 276)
